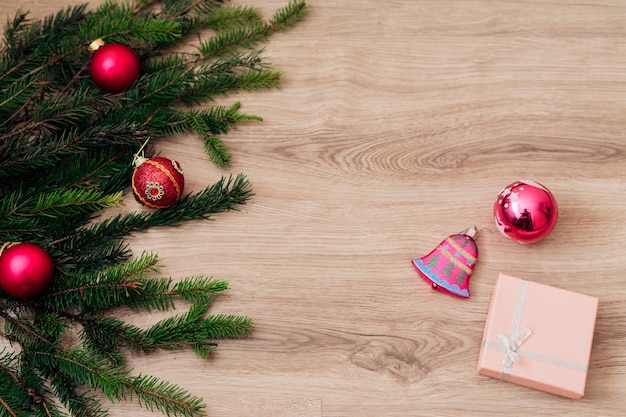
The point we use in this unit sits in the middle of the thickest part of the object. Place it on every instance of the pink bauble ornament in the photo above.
(114, 67)
(157, 182)
(26, 270)
(525, 211)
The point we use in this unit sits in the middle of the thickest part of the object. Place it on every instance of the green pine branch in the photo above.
(230, 16)
(67, 203)
(213, 121)
(67, 152)
(153, 393)
(289, 15)
(97, 331)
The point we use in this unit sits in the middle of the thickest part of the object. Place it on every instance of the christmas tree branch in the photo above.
(159, 294)
(101, 289)
(170, 399)
(15, 392)
(96, 335)
(73, 202)
(83, 404)
(224, 195)
(215, 120)
(166, 85)
(253, 31)
(116, 383)
(106, 170)
(67, 150)
(235, 15)
(289, 15)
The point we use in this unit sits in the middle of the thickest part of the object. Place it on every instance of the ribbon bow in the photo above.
(511, 346)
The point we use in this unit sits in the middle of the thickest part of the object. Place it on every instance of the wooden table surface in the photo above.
(398, 123)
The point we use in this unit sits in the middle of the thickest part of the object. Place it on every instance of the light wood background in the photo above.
(398, 124)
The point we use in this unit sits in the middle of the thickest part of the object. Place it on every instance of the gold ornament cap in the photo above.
(95, 45)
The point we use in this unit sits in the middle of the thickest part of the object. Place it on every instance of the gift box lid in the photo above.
(538, 336)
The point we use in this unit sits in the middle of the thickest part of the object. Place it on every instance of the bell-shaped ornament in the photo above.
(449, 266)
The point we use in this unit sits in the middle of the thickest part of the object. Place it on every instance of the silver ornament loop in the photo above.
(139, 157)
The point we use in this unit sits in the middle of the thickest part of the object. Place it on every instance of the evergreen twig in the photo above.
(67, 149)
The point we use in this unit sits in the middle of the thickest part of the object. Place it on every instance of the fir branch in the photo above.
(199, 289)
(100, 290)
(228, 41)
(220, 77)
(25, 40)
(153, 393)
(14, 397)
(39, 212)
(182, 8)
(289, 15)
(12, 29)
(159, 294)
(67, 203)
(213, 121)
(259, 79)
(217, 119)
(36, 387)
(150, 30)
(22, 331)
(9, 362)
(247, 36)
(50, 325)
(225, 326)
(65, 109)
(118, 22)
(104, 169)
(117, 384)
(17, 93)
(79, 404)
(11, 402)
(232, 16)
(217, 150)
(67, 149)
(162, 86)
(88, 370)
(71, 142)
(105, 336)
(169, 332)
(224, 195)
(81, 255)
(155, 294)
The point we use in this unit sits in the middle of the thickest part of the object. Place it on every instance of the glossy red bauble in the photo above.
(525, 211)
(26, 270)
(158, 182)
(114, 67)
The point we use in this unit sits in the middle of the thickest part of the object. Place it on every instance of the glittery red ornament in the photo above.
(158, 182)
(114, 67)
(525, 211)
(26, 270)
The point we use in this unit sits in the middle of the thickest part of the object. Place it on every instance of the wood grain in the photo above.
(397, 124)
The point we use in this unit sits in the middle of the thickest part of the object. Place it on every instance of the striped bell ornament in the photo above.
(449, 266)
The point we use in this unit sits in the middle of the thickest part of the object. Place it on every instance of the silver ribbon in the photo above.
(511, 346)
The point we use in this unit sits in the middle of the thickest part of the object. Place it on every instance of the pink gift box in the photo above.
(538, 336)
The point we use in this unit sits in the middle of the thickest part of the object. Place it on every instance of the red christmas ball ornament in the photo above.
(114, 67)
(157, 182)
(26, 270)
(525, 211)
